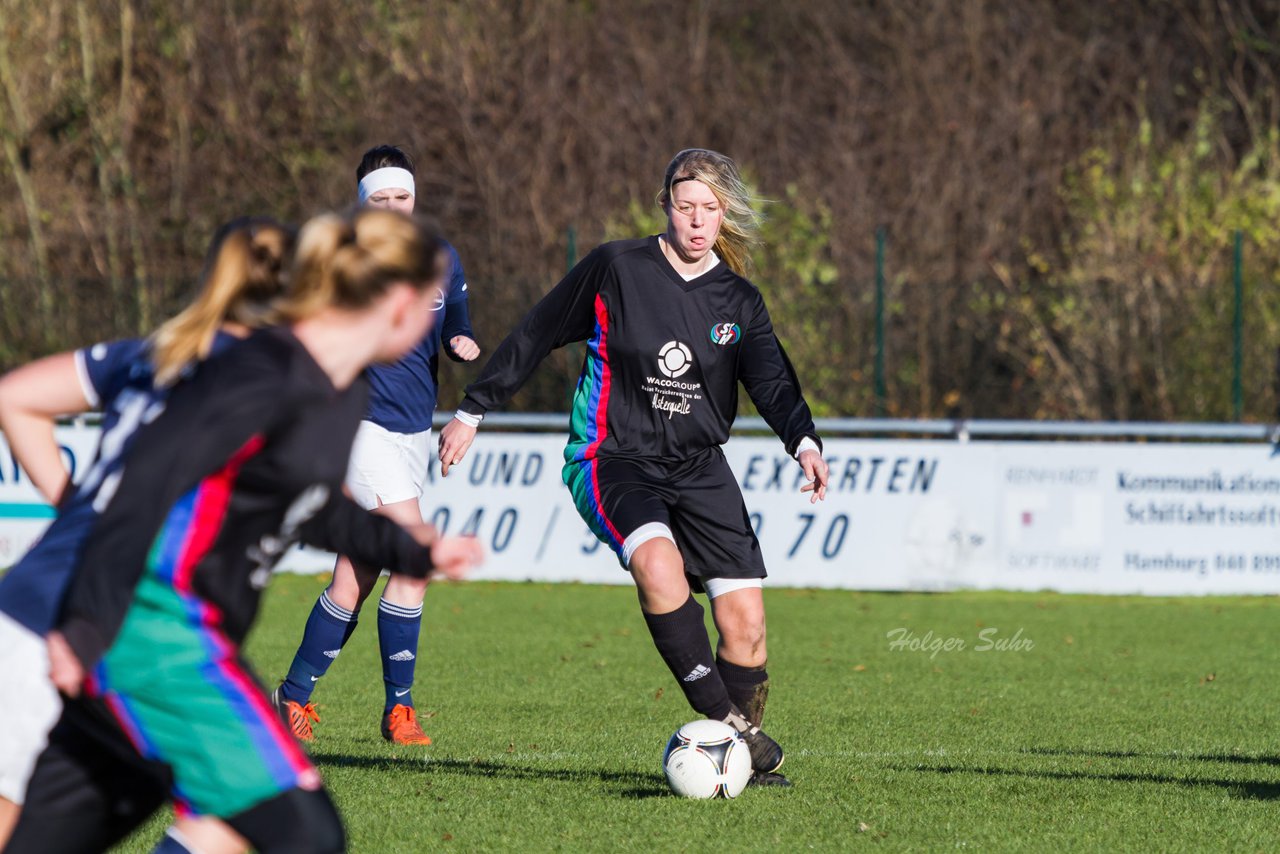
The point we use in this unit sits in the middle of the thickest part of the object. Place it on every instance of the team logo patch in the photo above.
(674, 359)
(725, 333)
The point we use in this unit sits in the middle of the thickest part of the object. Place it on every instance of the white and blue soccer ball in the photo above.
(707, 759)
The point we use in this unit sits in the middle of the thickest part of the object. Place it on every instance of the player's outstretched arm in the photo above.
(371, 540)
(31, 399)
(566, 314)
(770, 380)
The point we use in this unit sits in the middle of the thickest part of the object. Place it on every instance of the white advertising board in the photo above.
(1159, 519)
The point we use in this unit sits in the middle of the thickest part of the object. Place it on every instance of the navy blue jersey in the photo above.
(107, 369)
(117, 378)
(402, 396)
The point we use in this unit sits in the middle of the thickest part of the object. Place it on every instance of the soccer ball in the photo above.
(707, 759)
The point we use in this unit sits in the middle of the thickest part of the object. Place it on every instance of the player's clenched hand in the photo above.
(65, 670)
(455, 557)
(815, 471)
(455, 440)
(464, 348)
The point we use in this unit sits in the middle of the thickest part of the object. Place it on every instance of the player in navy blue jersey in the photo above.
(672, 327)
(128, 381)
(387, 475)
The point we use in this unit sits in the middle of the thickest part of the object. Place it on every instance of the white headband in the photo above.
(386, 178)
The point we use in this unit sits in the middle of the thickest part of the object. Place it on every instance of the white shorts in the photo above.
(29, 705)
(388, 467)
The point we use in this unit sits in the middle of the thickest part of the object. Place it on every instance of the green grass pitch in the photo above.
(1132, 724)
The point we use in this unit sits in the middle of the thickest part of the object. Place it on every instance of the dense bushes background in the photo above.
(1059, 181)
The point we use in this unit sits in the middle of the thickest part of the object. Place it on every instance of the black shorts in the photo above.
(697, 498)
(91, 788)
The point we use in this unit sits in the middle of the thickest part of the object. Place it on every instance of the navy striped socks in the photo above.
(327, 631)
(398, 629)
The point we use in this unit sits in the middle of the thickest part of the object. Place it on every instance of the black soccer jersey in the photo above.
(247, 459)
(664, 357)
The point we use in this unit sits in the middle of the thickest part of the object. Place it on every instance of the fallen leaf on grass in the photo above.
(858, 668)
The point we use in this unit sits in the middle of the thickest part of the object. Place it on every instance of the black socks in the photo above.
(681, 639)
(748, 688)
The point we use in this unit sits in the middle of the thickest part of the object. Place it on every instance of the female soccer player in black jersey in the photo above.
(247, 458)
(123, 379)
(671, 327)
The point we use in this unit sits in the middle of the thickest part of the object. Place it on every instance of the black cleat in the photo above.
(766, 754)
(770, 780)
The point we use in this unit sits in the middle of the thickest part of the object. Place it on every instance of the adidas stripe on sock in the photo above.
(681, 639)
(398, 630)
(328, 628)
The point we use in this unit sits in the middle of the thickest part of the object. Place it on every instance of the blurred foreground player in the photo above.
(247, 459)
(671, 327)
(128, 381)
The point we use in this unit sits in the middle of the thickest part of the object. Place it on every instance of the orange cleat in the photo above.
(297, 716)
(400, 726)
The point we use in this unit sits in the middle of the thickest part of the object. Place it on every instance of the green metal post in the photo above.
(880, 392)
(1237, 362)
(571, 257)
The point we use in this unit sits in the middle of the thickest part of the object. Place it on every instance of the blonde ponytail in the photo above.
(241, 280)
(740, 228)
(348, 262)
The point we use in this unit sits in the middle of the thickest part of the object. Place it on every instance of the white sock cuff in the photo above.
(393, 610)
(334, 610)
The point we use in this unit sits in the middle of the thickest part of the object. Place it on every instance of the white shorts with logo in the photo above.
(387, 467)
(29, 705)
